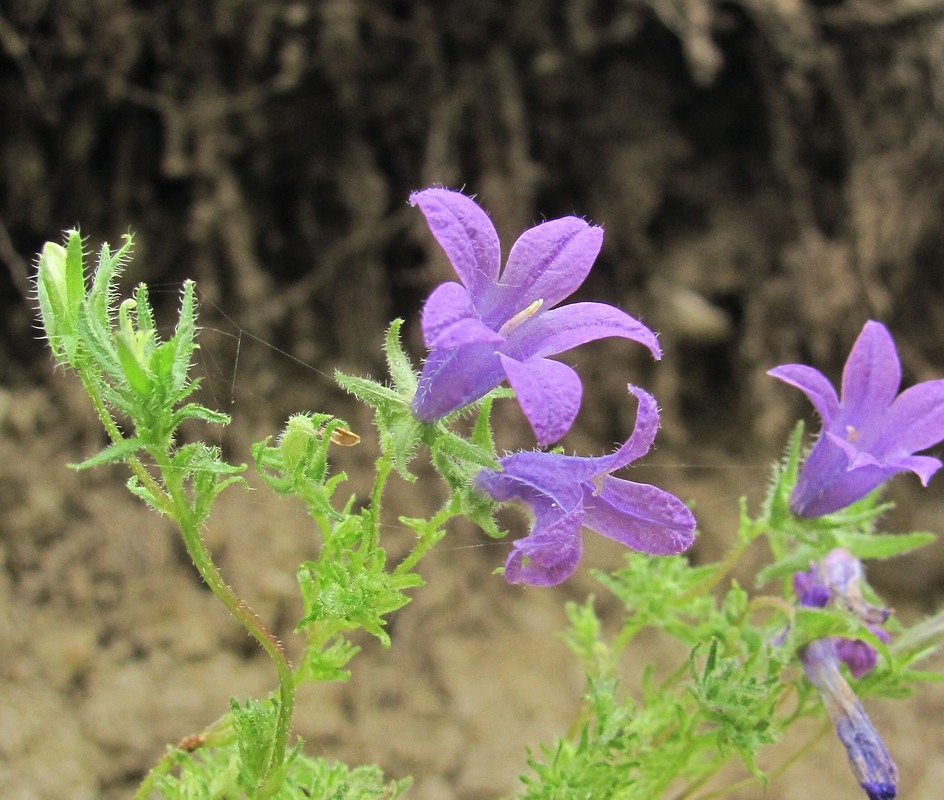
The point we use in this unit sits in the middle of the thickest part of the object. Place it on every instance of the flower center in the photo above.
(521, 317)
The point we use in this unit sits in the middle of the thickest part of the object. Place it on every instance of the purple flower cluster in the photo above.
(870, 434)
(503, 324)
(836, 580)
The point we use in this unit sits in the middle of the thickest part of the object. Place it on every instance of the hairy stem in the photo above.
(203, 561)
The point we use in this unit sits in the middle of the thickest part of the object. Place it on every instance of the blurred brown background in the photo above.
(770, 174)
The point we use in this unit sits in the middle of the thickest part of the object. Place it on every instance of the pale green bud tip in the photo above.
(51, 277)
(51, 291)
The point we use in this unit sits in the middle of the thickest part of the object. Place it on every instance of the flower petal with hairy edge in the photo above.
(640, 516)
(548, 393)
(449, 319)
(535, 478)
(548, 557)
(549, 261)
(454, 378)
(814, 385)
(465, 233)
(569, 326)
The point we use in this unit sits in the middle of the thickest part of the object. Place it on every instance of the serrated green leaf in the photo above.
(463, 450)
(369, 391)
(118, 451)
(401, 370)
(200, 412)
(75, 272)
(143, 309)
(182, 342)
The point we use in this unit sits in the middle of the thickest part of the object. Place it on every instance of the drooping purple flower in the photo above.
(836, 579)
(495, 326)
(870, 760)
(869, 435)
(566, 493)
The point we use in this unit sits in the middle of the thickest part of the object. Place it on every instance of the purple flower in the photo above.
(491, 327)
(837, 579)
(566, 493)
(869, 435)
(870, 760)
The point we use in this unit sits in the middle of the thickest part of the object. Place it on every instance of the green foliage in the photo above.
(735, 689)
(739, 689)
(215, 773)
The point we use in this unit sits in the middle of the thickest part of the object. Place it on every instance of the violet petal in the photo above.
(465, 233)
(814, 385)
(549, 262)
(454, 378)
(560, 329)
(449, 319)
(640, 516)
(548, 392)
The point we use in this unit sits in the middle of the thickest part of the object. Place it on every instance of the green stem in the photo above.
(203, 561)
(384, 466)
(115, 435)
(431, 535)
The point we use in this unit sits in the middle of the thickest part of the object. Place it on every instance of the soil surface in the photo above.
(770, 175)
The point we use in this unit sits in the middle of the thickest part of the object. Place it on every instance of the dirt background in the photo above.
(770, 174)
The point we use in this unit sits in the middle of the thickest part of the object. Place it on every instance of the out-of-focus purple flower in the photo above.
(870, 760)
(836, 579)
(869, 435)
(566, 493)
(492, 327)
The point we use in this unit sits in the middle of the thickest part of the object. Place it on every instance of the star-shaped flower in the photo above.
(495, 326)
(869, 435)
(566, 493)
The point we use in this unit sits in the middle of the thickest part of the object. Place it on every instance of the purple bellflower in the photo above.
(566, 493)
(869, 435)
(491, 327)
(836, 579)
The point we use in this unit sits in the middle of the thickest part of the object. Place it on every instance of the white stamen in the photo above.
(522, 316)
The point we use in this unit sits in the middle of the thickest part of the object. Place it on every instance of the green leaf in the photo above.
(183, 340)
(118, 451)
(882, 545)
(75, 274)
(202, 413)
(401, 370)
(375, 394)
(820, 623)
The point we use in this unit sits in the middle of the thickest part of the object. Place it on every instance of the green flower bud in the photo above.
(60, 289)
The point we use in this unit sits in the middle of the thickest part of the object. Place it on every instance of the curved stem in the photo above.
(203, 561)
